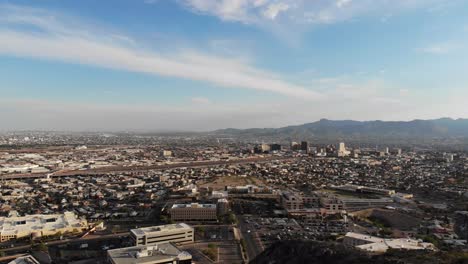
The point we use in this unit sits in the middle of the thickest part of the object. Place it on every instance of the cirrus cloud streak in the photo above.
(49, 37)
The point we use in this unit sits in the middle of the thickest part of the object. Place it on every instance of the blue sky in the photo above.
(208, 64)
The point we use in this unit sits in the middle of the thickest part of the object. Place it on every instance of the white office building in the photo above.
(177, 233)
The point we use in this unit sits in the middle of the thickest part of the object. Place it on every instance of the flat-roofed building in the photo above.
(194, 212)
(364, 189)
(298, 201)
(331, 203)
(355, 204)
(381, 245)
(178, 233)
(156, 254)
(14, 227)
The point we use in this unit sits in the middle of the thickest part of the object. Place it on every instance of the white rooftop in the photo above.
(147, 254)
(194, 205)
(14, 225)
(161, 228)
(377, 244)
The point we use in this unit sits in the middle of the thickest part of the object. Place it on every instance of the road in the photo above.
(119, 169)
(251, 242)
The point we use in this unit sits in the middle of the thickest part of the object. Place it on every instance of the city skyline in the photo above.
(203, 65)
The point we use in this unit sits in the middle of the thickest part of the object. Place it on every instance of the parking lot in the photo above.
(266, 230)
(264, 207)
(227, 252)
(214, 233)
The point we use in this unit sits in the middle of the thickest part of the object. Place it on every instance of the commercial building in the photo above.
(194, 212)
(364, 189)
(295, 146)
(297, 201)
(355, 204)
(275, 147)
(332, 204)
(246, 189)
(381, 245)
(157, 254)
(179, 233)
(219, 194)
(167, 153)
(266, 148)
(14, 227)
(341, 150)
(304, 146)
(222, 206)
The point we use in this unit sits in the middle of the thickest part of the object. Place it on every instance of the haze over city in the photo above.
(188, 65)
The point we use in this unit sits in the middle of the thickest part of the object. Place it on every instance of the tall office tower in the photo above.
(341, 150)
(275, 147)
(266, 148)
(304, 146)
(341, 147)
(295, 146)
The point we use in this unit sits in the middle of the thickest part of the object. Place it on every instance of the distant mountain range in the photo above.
(442, 128)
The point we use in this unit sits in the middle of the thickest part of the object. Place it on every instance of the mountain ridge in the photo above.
(441, 127)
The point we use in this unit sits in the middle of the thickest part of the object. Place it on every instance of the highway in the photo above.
(120, 169)
(253, 248)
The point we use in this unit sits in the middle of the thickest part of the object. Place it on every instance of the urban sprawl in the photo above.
(124, 198)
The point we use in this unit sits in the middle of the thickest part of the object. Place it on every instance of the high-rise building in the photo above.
(295, 146)
(222, 206)
(341, 147)
(304, 146)
(341, 150)
(275, 147)
(257, 149)
(266, 148)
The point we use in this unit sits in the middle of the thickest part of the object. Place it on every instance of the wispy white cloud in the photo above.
(53, 38)
(260, 12)
(440, 48)
(200, 100)
(342, 3)
(273, 10)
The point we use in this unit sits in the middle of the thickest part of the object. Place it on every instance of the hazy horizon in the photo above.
(205, 131)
